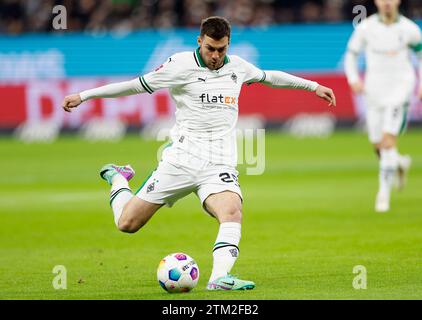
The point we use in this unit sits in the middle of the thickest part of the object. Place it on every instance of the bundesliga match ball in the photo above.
(177, 272)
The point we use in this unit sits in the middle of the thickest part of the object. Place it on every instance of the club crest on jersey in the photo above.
(234, 77)
(151, 186)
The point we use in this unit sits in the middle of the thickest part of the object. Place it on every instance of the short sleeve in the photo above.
(252, 73)
(357, 41)
(168, 75)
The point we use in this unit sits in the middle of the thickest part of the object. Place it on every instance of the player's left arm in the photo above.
(420, 73)
(279, 79)
(416, 46)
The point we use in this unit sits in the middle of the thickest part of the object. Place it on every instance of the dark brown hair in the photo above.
(215, 27)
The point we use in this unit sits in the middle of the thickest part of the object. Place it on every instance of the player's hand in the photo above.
(357, 87)
(71, 101)
(327, 94)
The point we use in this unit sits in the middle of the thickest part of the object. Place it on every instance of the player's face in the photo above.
(387, 7)
(213, 51)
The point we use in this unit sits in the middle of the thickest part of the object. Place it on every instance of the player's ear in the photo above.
(199, 40)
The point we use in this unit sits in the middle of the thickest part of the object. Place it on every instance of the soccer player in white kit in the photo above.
(201, 158)
(387, 39)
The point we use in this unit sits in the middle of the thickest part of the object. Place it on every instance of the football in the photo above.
(177, 272)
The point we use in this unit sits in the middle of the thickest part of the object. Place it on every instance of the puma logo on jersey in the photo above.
(206, 98)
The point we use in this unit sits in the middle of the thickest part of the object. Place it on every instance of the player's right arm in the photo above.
(113, 90)
(354, 48)
(167, 75)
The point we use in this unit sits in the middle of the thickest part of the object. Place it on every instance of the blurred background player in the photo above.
(387, 38)
(202, 155)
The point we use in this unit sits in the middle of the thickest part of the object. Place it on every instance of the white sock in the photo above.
(120, 195)
(388, 165)
(226, 249)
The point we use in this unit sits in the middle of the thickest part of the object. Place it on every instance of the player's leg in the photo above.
(381, 136)
(221, 197)
(377, 149)
(391, 160)
(164, 186)
(387, 170)
(136, 214)
(404, 161)
(226, 207)
(374, 122)
(130, 213)
(404, 164)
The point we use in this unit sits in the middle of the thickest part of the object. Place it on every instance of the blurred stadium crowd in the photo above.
(19, 16)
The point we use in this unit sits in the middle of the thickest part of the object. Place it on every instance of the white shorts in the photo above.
(172, 181)
(385, 120)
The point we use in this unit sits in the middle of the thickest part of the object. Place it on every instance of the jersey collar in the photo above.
(201, 63)
(395, 21)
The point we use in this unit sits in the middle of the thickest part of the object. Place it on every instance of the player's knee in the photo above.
(388, 142)
(232, 214)
(129, 225)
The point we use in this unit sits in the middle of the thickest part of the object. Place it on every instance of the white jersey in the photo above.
(206, 103)
(390, 76)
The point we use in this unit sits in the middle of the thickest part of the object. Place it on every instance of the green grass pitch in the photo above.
(308, 220)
